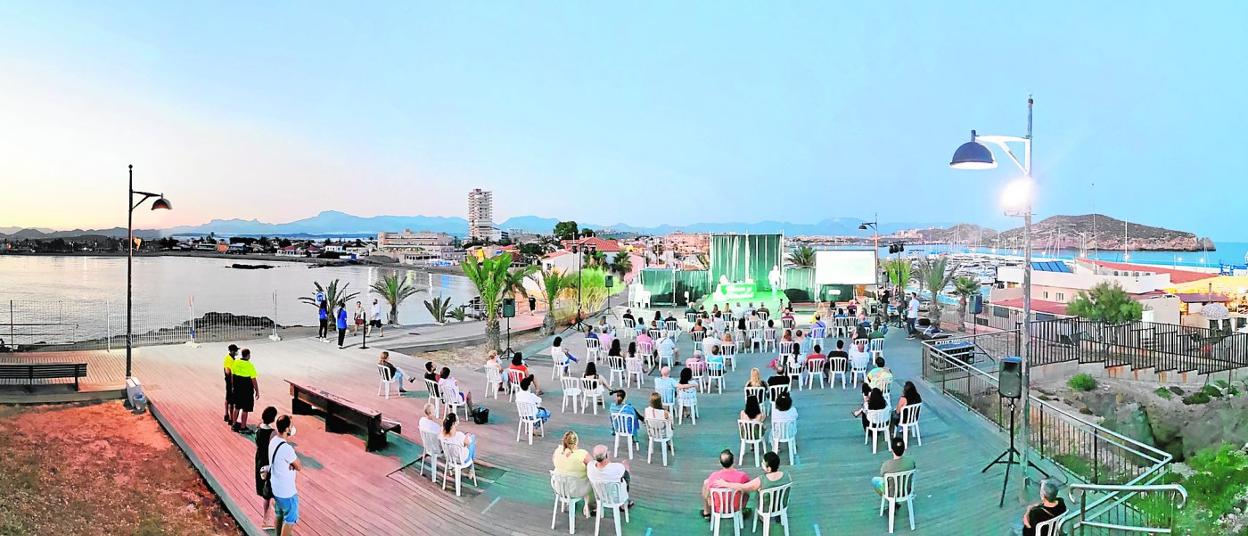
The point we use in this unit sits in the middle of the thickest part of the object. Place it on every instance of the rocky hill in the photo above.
(1090, 231)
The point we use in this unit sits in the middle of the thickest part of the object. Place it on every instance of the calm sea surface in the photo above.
(89, 290)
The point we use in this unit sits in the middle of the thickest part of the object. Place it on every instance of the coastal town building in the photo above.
(481, 216)
(610, 248)
(682, 243)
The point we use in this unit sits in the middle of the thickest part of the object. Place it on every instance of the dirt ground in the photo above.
(473, 356)
(99, 469)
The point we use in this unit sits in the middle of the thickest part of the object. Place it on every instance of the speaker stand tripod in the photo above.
(1011, 456)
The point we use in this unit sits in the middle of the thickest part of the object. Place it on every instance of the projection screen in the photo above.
(845, 267)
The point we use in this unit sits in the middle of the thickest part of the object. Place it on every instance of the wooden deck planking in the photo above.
(345, 490)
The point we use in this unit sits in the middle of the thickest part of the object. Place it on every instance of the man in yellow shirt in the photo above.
(229, 384)
(246, 389)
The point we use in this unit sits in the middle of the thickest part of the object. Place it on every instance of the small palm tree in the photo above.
(802, 257)
(964, 287)
(934, 273)
(621, 265)
(898, 272)
(490, 278)
(514, 284)
(438, 308)
(459, 313)
(552, 282)
(394, 289)
(596, 259)
(334, 294)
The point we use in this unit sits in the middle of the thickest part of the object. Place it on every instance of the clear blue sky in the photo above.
(637, 112)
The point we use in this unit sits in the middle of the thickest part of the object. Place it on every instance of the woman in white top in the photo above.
(451, 434)
(491, 362)
(655, 409)
(783, 409)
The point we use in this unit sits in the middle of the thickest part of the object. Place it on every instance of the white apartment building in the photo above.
(481, 216)
(417, 245)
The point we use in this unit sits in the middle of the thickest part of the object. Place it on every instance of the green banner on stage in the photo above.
(739, 258)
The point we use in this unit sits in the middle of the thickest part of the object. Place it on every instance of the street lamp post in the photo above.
(875, 233)
(1018, 201)
(159, 204)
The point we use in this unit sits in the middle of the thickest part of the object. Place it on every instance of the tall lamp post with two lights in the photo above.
(159, 204)
(1017, 201)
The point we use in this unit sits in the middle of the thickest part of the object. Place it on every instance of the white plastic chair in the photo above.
(698, 368)
(856, 372)
(493, 380)
(386, 381)
(435, 396)
(454, 400)
(645, 349)
(877, 425)
(668, 397)
(814, 369)
(739, 339)
(788, 323)
(769, 339)
(726, 504)
(621, 423)
(715, 376)
(432, 444)
(838, 368)
(593, 350)
(559, 362)
(611, 496)
(615, 364)
(730, 355)
(816, 336)
(773, 391)
(659, 431)
(591, 394)
(456, 456)
(672, 326)
(751, 433)
(793, 369)
(784, 432)
(876, 354)
(773, 503)
(697, 337)
(633, 370)
(898, 488)
(865, 343)
(876, 344)
(1051, 527)
(514, 377)
(571, 391)
(908, 423)
(758, 392)
(529, 423)
(687, 399)
(655, 334)
(564, 486)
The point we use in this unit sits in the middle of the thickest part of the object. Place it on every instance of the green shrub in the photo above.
(1164, 393)
(1216, 491)
(1211, 391)
(1198, 397)
(1081, 382)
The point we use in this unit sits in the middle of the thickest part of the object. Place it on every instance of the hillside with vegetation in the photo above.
(1087, 231)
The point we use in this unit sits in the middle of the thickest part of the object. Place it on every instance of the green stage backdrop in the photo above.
(745, 256)
(659, 282)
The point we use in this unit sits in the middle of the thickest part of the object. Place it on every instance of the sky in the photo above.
(637, 112)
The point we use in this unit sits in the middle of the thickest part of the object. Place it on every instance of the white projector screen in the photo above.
(845, 267)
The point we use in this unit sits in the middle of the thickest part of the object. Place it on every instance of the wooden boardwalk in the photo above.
(345, 490)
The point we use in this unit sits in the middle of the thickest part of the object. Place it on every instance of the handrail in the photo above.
(1123, 493)
(1115, 494)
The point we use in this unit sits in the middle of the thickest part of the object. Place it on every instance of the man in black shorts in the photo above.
(229, 383)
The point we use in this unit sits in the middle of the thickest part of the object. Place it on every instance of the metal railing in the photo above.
(1145, 509)
(84, 325)
(1089, 453)
(1140, 345)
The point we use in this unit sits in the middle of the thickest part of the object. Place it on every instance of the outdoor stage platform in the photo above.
(347, 491)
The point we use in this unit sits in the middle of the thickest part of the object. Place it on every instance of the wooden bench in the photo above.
(341, 415)
(42, 371)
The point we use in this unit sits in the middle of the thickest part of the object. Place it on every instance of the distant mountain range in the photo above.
(1086, 231)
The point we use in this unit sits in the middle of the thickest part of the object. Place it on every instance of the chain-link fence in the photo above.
(36, 325)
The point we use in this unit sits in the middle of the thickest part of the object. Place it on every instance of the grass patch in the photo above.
(1164, 393)
(1081, 382)
(1211, 391)
(1198, 397)
(1217, 493)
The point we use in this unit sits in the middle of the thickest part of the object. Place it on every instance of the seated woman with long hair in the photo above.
(875, 401)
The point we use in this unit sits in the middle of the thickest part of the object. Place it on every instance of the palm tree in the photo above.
(394, 289)
(334, 294)
(438, 308)
(802, 257)
(514, 284)
(490, 278)
(964, 287)
(621, 265)
(596, 259)
(658, 253)
(553, 282)
(934, 273)
(898, 272)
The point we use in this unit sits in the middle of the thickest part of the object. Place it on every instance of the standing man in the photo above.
(322, 314)
(232, 351)
(246, 389)
(912, 314)
(375, 320)
(341, 323)
(283, 466)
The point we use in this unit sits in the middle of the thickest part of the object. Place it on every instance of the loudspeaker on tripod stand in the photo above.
(1010, 377)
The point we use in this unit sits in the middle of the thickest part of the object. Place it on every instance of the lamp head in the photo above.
(162, 204)
(973, 155)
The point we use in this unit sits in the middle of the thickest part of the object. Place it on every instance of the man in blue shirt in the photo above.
(341, 324)
(665, 383)
(619, 405)
(322, 314)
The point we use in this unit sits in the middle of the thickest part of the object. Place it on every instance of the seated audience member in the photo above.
(615, 351)
(446, 383)
(642, 338)
(622, 406)
(772, 477)
(655, 410)
(667, 350)
(909, 395)
(603, 470)
(665, 382)
(778, 378)
(756, 379)
(859, 357)
(606, 337)
(431, 372)
(872, 400)
(697, 327)
(452, 434)
(526, 395)
(491, 363)
(1049, 507)
(839, 351)
(517, 363)
(880, 376)
(569, 459)
(427, 422)
(714, 356)
(396, 373)
(686, 380)
(753, 410)
(709, 343)
(897, 464)
(784, 411)
(628, 315)
(591, 371)
(560, 355)
(727, 472)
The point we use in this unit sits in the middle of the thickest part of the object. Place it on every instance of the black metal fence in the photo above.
(1140, 345)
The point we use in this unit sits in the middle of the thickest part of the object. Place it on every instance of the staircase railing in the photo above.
(1147, 509)
(1092, 455)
